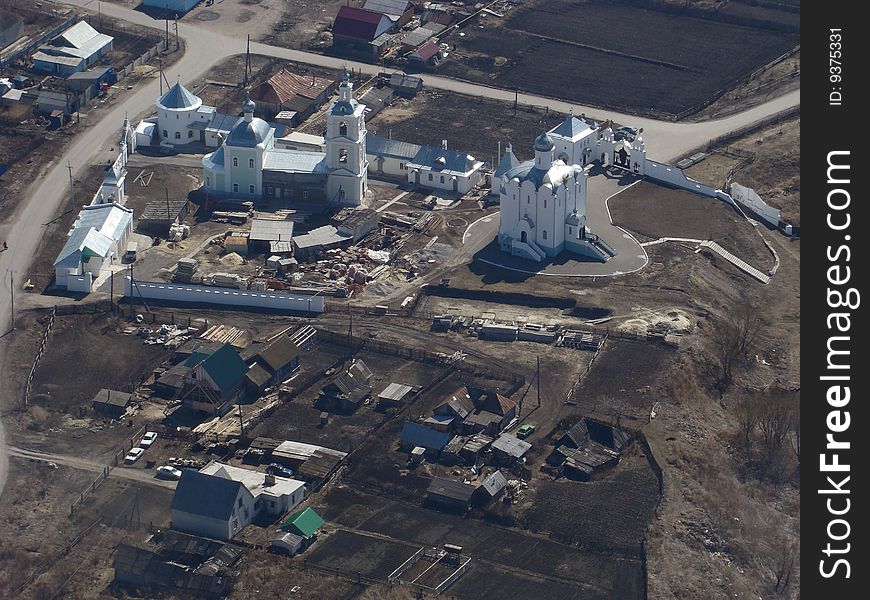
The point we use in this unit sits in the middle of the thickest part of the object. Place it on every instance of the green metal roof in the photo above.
(224, 365)
(304, 522)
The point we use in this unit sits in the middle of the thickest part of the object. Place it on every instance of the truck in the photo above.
(130, 254)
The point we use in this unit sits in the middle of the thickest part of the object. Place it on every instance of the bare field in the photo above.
(694, 55)
(435, 115)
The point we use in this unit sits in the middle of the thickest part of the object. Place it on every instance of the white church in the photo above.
(543, 201)
(249, 165)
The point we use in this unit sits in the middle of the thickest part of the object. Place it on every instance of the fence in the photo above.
(104, 474)
(151, 53)
(31, 46)
(40, 351)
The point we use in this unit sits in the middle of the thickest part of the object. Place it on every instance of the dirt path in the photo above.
(137, 475)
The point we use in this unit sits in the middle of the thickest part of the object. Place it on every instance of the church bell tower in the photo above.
(346, 160)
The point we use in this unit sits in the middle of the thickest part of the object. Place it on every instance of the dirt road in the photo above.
(131, 474)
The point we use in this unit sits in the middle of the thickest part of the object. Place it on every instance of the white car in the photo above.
(167, 472)
(134, 455)
(148, 439)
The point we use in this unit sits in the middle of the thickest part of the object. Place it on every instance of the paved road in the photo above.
(24, 227)
(130, 474)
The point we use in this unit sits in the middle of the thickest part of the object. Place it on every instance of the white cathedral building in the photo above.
(543, 201)
(248, 165)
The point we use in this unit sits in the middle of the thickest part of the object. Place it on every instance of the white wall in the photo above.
(80, 283)
(747, 198)
(674, 176)
(219, 295)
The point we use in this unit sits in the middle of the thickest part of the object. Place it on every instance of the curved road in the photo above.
(203, 49)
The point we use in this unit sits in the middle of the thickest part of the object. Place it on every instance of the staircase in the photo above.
(737, 262)
(528, 250)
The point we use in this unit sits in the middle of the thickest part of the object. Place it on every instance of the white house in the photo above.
(440, 168)
(97, 239)
(543, 206)
(219, 500)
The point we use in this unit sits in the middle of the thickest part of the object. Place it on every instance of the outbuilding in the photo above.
(449, 494)
(111, 403)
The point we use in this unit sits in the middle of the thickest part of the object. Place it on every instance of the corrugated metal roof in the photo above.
(494, 483)
(224, 366)
(295, 161)
(426, 51)
(416, 37)
(285, 85)
(392, 8)
(322, 236)
(278, 353)
(381, 146)
(67, 61)
(511, 445)
(401, 79)
(395, 392)
(112, 397)
(267, 230)
(304, 522)
(76, 36)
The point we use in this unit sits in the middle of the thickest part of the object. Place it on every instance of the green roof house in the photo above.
(304, 522)
(215, 380)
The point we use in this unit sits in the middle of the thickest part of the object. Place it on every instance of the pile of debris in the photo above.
(184, 270)
(178, 232)
(171, 336)
(228, 280)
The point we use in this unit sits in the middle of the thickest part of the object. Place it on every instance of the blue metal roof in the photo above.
(571, 127)
(179, 97)
(439, 159)
(247, 134)
(420, 435)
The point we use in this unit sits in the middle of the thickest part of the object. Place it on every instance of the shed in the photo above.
(416, 434)
(416, 38)
(356, 223)
(287, 543)
(159, 215)
(237, 244)
(295, 92)
(492, 486)
(264, 231)
(474, 446)
(449, 494)
(406, 86)
(111, 403)
(509, 448)
(394, 395)
(426, 54)
(305, 523)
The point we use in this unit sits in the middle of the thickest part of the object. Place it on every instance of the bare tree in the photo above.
(747, 414)
(776, 418)
(733, 339)
(785, 561)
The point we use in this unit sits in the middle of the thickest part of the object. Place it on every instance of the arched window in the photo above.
(342, 156)
(165, 134)
(545, 234)
(442, 179)
(545, 203)
(189, 133)
(235, 161)
(251, 189)
(342, 128)
(570, 231)
(528, 199)
(250, 163)
(177, 135)
(235, 188)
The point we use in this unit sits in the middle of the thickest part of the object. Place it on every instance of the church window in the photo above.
(251, 189)
(570, 231)
(177, 117)
(545, 234)
(165, 134)
(342, 128)
(250, 163)
(528, 199)
(189, 133)
(235, 188)
(235, 161)
(342, 156)
(208, 182)
(401, 166)
(545, 203)
(442, 179)
(177, 135)
(430, 176)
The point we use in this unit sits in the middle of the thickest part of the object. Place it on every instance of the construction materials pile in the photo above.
(228, 280)
(184, 270)
(178, 232)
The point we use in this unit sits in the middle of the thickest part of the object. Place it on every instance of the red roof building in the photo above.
(359, 24)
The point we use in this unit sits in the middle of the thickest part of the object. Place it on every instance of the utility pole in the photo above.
(12, 298)
(131, 291)
(538, 375)
(247, 61)
(72, 184)
(166, 38)
(168, 213)
(177, 42)
(160, 67)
